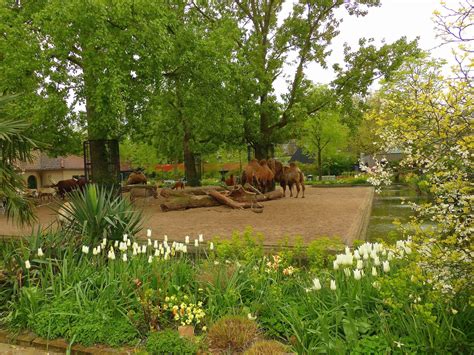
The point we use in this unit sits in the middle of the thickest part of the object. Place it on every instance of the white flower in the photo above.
(94, 251)
(116, 243)
(335, 265)
(157, 252)
(347, 272)
(128, 242)
(377, 261)
(165, 238)
(104, 242)
(148, 232)
(185, 248)
(186, 239)
(40, 252)
(155, 244)
(216, 262)
(27, 264)
(454, 311)
(85, 249)
(149, 242)
(99, 249)
(386, 266)
(398, 344)
(135, 245)
(135, 252)
(357, 274)
(123, 246)
(333, 285)
(316, 284)
(201, 238)
(143, 249)
(390, 255)
(125, 237)
(111, 254)
(374, 271)
(124, 257)
(150, 259)
(251, 317)
(196, 243)
(360, 264)
(211, 246)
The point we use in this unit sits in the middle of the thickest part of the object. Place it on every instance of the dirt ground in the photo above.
(333, 212)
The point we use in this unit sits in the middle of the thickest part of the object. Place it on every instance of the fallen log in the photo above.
(272, 195)
(225, 200)
(198, 191)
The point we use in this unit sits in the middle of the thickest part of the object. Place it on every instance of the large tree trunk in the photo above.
(192, 178)
(97, 132)
(262, 150)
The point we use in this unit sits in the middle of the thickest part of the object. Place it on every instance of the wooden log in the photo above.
(185, 202)
(225, 200)
(198, 191)
(272, 195)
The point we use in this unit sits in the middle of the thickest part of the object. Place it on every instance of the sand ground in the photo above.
(332, 212)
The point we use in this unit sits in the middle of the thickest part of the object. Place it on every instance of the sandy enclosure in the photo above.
(333, 212)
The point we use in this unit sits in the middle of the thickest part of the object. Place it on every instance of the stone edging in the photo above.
(58, 345)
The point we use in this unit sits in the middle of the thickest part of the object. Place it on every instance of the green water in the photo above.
(387, 207)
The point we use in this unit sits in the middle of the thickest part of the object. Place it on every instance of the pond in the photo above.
(387, 207)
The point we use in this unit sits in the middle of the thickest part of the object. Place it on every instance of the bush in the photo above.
(267, 347)
(169, 342)
(321, 251)
(98, 213)
(232, 333)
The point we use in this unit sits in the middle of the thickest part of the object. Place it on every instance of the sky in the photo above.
(392, 20)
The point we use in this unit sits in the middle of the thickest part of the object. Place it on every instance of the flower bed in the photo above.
(122, 291)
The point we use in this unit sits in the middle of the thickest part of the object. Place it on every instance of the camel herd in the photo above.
(264, 175)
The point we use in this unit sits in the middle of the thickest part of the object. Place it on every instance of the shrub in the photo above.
(267, 347)
(321, 251)
(98, 213)
(371, 345)
(232, 333)
(169, 342)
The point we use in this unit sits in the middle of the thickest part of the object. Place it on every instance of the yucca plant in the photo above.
(96, 213)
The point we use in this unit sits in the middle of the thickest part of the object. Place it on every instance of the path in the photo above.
(333, 212)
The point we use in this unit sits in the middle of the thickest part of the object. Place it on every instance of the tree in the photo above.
(15, 146)
(323, 136)
(429, 116)
(266, 43)
(87, 52)
(192, 113)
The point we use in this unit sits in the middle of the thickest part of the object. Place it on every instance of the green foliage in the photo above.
(371, 345)
(246, 245)
(169, 342)
(321, 251)
(267, 347)
(98, 213)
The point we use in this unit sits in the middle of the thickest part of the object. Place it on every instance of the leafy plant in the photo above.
(97, 213)
(267, 347)
(169, 342)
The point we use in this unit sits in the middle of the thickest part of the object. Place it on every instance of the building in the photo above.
(44, 171)
(394, 155)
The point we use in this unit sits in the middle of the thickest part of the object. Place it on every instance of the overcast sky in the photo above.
(392, 20)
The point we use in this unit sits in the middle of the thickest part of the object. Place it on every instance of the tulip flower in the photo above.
(360, 264)
(128, 242)
(143, 249)
(149, 242)
(94, 251)
(104, 242)
(40, 252)
(125, 237)
(27, 264)
(211, 246)
(196, 243)
(148, 232)
(157, 252)
(356, 254)
(150, 259)
(335, 265)
(357, 274)
(116, 243)
(85, 249)
(165, 238)
(155, 244)
(374, 271)
(124, 257)
(316, 284)
(186, 239)
(185, 249)
(386, 266)
(333, 285)
(201, 238)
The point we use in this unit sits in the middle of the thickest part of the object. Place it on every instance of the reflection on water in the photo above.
(387, 207)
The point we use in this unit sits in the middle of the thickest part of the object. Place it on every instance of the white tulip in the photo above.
(150, 259)
(347, 272)
(196, 243)
(116, 243)
(143, 249)
(128, 242)
(165, 238)
(149, 242)
(135, 252)
(40, 252)
(148, 232)
(111, 255)
(356, 254)
(185, 249)
(360, 264)
(125, 237)
(201, 238)
(386, 266)
(333, 285)
(157, 252)
(104, 242)
(377, 261)
(365, 256)
(357, 274)
(124, 257)
(85, 249)
(27, 264)
(335, 265)
(94, 251)
(186, 239)
(390, 255)
(211, 246)
(155, 244)
(316, 284)
(135, 245)
(374, 271)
